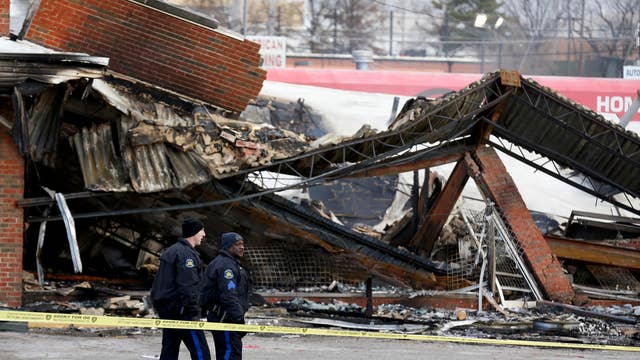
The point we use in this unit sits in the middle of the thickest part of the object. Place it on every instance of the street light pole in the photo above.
(638, 44)
(482, 46)
(481, 24)
(244, 18)
(391, 33)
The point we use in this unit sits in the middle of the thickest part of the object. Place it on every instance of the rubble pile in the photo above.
(84, 298)
(611, 325)
(519, 323)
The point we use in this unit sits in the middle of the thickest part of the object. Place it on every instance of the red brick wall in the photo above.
(11, 221)
(504, 193)
(154, 47)
(4, 17)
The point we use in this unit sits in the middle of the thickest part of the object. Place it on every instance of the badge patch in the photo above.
(189, 263)
(228, 274)
(231, 285)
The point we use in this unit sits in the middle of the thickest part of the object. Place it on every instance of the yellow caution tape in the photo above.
(98, 321)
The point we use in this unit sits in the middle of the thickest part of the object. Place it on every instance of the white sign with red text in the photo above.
(273, 50)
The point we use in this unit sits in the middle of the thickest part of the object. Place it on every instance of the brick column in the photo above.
(11, 221)
(495, 180)
(4, 17)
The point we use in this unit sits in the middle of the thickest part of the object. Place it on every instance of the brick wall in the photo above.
(4, 17)
(11, 221)
(155, 47)
(503, 191)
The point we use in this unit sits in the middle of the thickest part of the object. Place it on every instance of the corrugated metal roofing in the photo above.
(20, 60)
(165, 147)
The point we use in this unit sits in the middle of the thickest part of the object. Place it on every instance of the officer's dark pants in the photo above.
(228, 343)
(194, 340)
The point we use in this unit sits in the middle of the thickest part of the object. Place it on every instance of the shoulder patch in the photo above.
(189, 263)
(228, 274)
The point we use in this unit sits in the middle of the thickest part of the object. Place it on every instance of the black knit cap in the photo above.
(191, 227)
(228, 239)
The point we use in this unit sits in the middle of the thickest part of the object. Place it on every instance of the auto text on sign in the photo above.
(631, 72)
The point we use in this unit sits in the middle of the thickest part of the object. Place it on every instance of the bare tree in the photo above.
(360, 19)
(318, 25)
(341, 26)
(535, 22)
(611, 32)
(535, 19)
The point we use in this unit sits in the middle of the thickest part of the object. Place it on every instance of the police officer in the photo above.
(225, 294)
(176, 293)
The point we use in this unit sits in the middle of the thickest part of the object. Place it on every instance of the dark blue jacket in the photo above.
(176, 288)
(226, 288)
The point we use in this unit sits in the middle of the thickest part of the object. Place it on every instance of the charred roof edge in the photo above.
(180, 13)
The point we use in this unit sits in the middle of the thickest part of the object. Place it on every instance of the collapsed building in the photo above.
(109, 151)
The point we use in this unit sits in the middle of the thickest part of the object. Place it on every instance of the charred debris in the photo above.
(114, 163)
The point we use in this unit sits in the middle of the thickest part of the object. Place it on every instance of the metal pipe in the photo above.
(633, 109)
(29, 202)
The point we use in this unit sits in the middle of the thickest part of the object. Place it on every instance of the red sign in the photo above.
(610, 97)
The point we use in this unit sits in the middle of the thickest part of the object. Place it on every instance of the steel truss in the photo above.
(593, 186)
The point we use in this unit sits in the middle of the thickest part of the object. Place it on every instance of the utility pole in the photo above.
(581, 37)
(391, 33)
(445, 25)
(244, 18)
(569, 28)
(271, 14)
(335, 29)
(483, 43)
(638, 44)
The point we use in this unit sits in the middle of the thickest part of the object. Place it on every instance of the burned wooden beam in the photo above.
(438, 214)
(595, 253)
(483, 130)
(414, 161)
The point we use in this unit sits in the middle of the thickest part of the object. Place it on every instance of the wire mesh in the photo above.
(511, 269)
(466, 259)
(614, 278)
(287, 267)
(462, 257)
